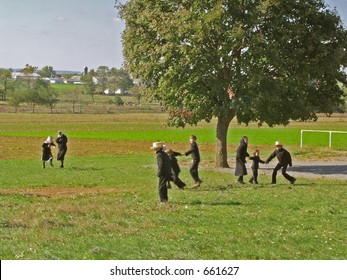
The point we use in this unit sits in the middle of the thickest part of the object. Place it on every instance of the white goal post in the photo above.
(328, 131)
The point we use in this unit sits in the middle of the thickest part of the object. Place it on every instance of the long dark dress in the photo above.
(62, 147)
(241, 154)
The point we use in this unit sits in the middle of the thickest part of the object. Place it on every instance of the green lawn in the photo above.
(104, 204)
(134, 127)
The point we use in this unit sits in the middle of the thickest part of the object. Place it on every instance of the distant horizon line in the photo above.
(56, 71)
(59, 70)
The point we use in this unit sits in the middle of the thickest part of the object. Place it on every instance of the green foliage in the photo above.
(88, 84)
(137, 92)
(118, 100)
(37, 92)
(15, 98)
(113, 79)
(263, 61)
(101, 74)
(29, 69)
(5, 82)
(47, 72)
(119, 79)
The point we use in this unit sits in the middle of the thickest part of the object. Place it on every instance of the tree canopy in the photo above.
(267, 61)
(47, 72)
(5, 82)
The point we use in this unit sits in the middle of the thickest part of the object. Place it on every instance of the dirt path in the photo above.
(316, 169)
(331, 170)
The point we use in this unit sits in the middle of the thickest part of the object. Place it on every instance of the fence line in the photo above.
(328, 131)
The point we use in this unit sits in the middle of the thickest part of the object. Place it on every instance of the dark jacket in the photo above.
(194, 151)
(164, 166)
(283, 156)
(174, 164)
(61, 141)
(256, 161)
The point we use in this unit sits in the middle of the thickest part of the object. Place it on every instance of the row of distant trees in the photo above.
(27, 90)
(36, 91)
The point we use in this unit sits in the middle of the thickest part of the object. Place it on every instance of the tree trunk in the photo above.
(221, 144)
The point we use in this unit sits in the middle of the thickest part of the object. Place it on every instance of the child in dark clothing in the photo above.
(175, 169)
(255, 166)
(284, 159)
(194, 152)
(164, 170)
(46, 152)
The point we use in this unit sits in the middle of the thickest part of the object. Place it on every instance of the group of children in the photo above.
(168, 168)
(283, 156)
(47, 155)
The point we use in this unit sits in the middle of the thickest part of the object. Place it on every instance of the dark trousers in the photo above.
(194, 170)
(255, 175)
(163, 189)
(178, 182)
(284, 173)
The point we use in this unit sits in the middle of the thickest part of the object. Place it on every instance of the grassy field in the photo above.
(104, 204)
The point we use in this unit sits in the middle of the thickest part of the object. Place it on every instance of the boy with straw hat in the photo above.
(164, 170)
(284, 159)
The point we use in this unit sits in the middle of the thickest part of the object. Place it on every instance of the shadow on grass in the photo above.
(227, 203)
(249, 186)
(205, 188)
(90, 168)
(222, 203)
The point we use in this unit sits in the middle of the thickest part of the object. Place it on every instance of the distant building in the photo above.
(108, 91)
(118, 91)
(19, 76)
(55, 80)
(74, 80)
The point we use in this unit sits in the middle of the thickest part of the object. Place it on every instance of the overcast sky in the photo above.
(69, 34)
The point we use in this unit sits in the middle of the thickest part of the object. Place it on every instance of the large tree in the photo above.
(268, 61)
